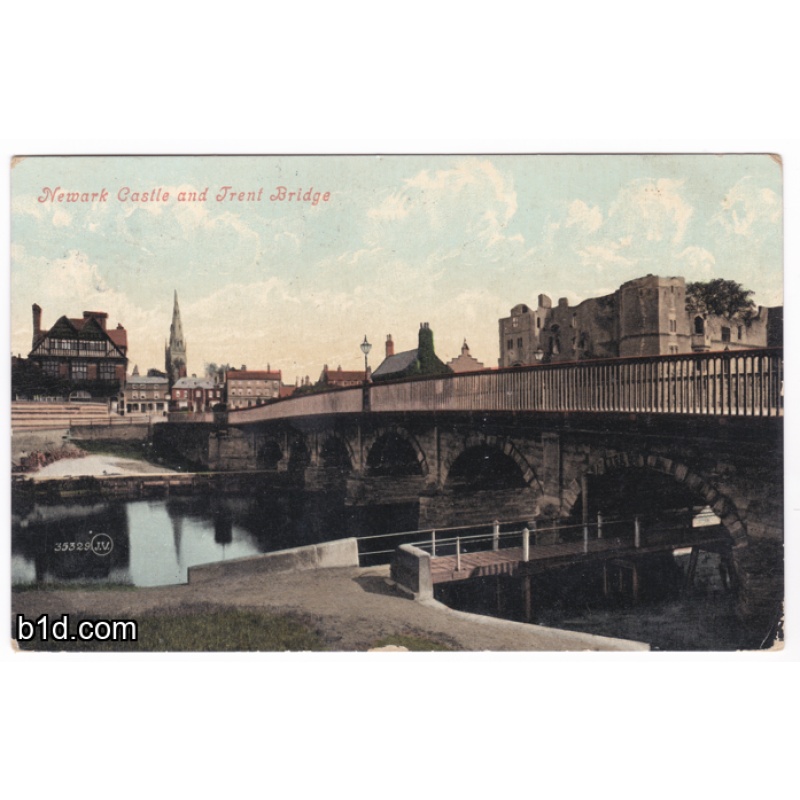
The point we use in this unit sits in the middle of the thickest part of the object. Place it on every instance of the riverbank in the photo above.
(350, 609)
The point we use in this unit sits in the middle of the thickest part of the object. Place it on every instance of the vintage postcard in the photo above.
(440, 402)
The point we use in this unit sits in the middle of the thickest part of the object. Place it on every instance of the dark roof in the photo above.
(85, 327)
(339, 375)
(195, 383)
(395, 364)
(146, 380)
(252, 375)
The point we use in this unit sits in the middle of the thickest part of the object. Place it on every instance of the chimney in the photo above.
(389, 345)
(100, 316)
(37, 323)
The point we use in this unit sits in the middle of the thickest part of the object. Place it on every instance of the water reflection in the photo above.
(154, 541)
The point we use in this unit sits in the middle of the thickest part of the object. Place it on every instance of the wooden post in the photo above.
(526, 597)
(585, 510)
(496, 535)
(692, 567)
(637, 532)
(599, 525)
(433, 544)
(526, 545)
(458, 554)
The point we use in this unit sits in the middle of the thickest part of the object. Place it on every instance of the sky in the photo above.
(455, 241)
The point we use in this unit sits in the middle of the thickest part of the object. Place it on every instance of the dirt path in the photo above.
(352, 608)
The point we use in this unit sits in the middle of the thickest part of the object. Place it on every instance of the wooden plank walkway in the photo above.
(508, 561)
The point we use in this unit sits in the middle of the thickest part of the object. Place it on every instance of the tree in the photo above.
(720, 297)
(216, 371)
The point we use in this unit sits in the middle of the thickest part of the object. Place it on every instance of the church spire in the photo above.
(175, 352)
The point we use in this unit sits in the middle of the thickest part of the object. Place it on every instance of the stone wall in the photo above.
(188, 442)
(115, 433)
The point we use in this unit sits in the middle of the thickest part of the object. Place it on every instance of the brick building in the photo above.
(146, 394)
(195, 394)
(246, 388)
(644, 317)
(466, 362)
(337, 378)
(81, 353)
(411, 363)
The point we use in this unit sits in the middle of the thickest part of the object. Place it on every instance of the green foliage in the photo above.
(720, 297)
(214, 371)
(428, 363)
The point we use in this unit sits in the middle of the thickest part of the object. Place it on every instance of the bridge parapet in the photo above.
(743, 383)
(339, 401)
(730, 383)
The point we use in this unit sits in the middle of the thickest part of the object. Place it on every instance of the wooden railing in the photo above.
(736, 383)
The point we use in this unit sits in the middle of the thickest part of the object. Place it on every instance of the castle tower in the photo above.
(175, 351)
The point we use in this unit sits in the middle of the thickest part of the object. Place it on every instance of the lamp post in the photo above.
(365, 348)
(539, 354)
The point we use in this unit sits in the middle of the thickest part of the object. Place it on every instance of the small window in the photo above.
(519, 344)
(515, 321)
(699, 326)
(726, 334)
(673, 326)
(79, 371)
(739, 332)
(538, 322)
(510, 344)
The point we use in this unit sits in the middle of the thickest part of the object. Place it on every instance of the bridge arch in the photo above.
(268, 454)
(693, 483)
(498, 446)
(394, 451)
(335, 453)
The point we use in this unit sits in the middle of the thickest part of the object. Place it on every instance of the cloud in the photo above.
(748, 209)
(654, 209)
(471, 204)
(584, 217)
(697, 262)
(602, 255)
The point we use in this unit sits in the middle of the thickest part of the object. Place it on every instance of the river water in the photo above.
(147, 542)
(154, 542)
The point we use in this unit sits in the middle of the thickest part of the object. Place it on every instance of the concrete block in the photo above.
(338, 553)
(411, 571)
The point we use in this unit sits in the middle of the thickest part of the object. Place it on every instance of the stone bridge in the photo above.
(646, 437)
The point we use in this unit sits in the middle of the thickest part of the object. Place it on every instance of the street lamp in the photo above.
(539, 354)
(365, 348)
